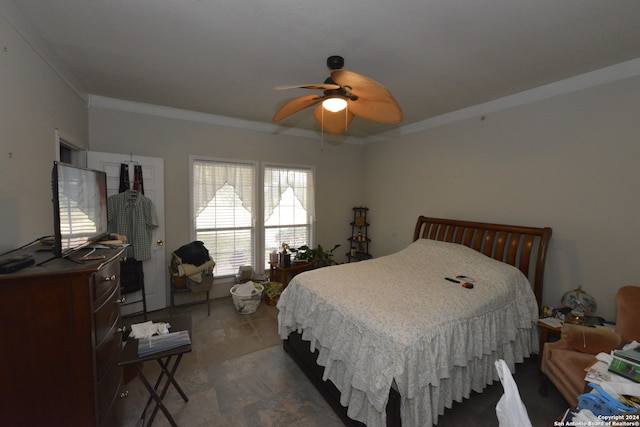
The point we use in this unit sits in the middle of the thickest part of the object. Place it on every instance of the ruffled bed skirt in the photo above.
(432, 400)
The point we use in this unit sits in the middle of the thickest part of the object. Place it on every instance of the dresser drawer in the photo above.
(109, 390)
(115, 413)
(105, 280)
(107, 316)
(108, 352)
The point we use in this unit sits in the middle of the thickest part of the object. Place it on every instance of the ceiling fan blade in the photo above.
(361, 86)
(319, 86)
(385, 110)
(335, 123)
(295, 105)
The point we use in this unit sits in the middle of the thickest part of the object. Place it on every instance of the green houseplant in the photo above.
(317, 256)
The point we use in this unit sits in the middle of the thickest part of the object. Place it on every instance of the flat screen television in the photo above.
(79, 207)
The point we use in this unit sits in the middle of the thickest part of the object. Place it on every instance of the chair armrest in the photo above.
(589, 340)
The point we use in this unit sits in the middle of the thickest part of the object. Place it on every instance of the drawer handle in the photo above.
(110, 278)
(122, 329)
(124, 394)
(120, 300)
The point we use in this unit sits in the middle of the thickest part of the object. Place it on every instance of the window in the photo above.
(223, 207)
(288, 207)
(68, 152)
(228, 213)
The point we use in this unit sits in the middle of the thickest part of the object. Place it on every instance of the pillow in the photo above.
(590, 340)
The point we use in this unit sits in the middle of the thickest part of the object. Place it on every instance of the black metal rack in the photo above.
(359, 240)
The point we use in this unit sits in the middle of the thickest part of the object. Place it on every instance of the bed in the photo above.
(390, 342)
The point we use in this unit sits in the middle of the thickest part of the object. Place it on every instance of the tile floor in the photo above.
(238, 375)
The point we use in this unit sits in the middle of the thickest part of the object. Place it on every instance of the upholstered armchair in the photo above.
(564, 361)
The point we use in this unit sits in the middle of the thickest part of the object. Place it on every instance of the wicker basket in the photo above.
(272, 292)
(247, 304)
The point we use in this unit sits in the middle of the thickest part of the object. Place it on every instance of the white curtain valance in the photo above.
(278, 180)
(210, 176)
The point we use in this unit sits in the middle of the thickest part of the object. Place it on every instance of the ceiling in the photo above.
(224, 57)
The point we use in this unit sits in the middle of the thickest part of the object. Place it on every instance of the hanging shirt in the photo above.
(133, 215)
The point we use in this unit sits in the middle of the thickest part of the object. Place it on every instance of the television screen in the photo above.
(80, 207)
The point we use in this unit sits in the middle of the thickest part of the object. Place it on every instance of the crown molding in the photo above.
(580, 82)
(588, 80)
(96, 101)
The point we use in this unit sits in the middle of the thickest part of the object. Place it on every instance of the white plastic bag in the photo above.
(510, 410)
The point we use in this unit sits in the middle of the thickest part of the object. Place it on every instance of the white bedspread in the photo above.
(395, 318)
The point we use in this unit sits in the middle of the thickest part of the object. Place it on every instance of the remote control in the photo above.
(16, 263)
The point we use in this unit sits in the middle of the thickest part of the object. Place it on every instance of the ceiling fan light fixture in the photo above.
(334, 104)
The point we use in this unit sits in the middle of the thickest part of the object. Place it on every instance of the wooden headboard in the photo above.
(522, 247)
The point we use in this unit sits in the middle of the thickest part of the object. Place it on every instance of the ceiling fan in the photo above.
(345, 95)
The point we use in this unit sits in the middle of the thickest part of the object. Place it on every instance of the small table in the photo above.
(282, 274)
(129, 357)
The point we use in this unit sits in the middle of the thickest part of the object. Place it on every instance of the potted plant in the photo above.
(317, 256)
(272, 291)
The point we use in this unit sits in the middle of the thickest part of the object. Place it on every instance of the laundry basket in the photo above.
(247, 304)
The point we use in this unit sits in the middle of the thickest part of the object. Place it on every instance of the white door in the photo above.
(155, 270)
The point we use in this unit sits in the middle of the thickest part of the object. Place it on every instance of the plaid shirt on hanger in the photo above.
(133, 215)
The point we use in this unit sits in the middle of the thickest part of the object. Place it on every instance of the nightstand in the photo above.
(547, 331)
(282, 274)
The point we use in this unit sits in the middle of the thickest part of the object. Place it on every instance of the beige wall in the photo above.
(569, 162)
(34, 101)
(338, 168)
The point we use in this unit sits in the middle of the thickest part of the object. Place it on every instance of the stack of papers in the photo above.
(626, 363)
(158, 343)
(616, 385)
(146, 329)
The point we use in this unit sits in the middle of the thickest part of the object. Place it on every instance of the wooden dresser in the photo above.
(60, 329)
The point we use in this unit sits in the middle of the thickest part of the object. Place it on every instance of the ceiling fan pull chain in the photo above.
(346, 119)
(322, 131)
